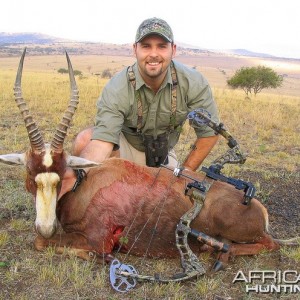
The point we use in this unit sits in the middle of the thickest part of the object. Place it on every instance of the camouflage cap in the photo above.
(154, 26)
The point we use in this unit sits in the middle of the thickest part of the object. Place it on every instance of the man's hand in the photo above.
(95, 150)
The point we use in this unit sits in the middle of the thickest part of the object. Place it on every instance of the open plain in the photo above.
(266, 126)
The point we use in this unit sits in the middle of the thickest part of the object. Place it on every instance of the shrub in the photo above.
(106, 73)
(66, 71)
(62, 71)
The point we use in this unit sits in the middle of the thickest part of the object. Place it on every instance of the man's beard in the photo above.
(155, 72)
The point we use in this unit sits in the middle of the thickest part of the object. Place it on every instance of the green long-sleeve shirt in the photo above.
(117, 106)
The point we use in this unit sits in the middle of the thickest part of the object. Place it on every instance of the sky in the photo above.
(265, 26)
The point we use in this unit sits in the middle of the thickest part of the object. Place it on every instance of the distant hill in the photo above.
(27, 37)
(244, 52)
(42, 44)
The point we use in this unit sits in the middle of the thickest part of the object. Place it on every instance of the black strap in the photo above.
(80, 175)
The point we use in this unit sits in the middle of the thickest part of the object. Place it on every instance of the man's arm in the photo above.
(201, 149)
(96, 151)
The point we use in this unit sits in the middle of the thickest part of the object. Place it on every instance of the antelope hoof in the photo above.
(40, 243)
(105, 257)
(108, 258)
(218, 265)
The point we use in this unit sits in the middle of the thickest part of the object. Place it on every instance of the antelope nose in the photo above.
(46, 231)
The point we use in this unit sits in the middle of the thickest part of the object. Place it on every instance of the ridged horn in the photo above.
(35, 137)
(61, 131)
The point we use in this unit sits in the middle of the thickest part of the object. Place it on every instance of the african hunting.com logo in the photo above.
(269, 282)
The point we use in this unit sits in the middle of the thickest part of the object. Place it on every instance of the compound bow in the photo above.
(124, 277)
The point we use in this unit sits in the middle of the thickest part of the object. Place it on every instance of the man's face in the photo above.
(153, 54)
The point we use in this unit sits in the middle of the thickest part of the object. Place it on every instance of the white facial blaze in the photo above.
(47, 160)
(46, 198)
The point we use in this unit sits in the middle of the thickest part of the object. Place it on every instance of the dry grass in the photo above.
(291, 253)
(267, 128)
(4, 238)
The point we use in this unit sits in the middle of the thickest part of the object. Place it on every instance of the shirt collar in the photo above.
(140, 81)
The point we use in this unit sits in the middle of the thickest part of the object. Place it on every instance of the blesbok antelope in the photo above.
(121, 198)
(45, 163)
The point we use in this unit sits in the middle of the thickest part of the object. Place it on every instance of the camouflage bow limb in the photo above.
(189, 261)
(234, 155)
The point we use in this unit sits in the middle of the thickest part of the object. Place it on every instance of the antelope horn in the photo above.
(35, 137)
(61, 131)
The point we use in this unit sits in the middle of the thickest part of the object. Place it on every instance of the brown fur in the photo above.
(34, 166)
(121, 198)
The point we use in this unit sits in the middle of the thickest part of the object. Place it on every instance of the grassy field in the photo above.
(267, 128)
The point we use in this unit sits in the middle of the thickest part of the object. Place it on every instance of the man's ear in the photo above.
(174, 50)
(134, 48)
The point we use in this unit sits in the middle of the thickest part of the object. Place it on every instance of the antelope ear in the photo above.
(76, 162)
(13, 159)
